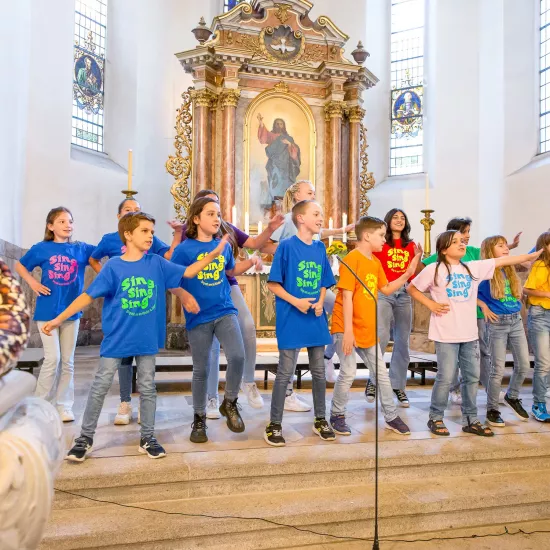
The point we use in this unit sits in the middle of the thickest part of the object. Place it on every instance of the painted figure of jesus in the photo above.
(283, 164)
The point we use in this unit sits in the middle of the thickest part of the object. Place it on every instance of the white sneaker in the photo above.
(213, 408)
(255, 399)
(67, 415)
(294, 403)
(329, 370)
(456, 398)
(124, 414)
(501, 397)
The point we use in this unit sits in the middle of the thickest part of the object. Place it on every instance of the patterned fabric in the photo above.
(14, 320)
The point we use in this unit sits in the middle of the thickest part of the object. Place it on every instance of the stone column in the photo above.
(202, 153)
(333, 118)
(229, 100)
(356, 115)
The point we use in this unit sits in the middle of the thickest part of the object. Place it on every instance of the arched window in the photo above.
(407, 78)
(544, 141)
(90, 31)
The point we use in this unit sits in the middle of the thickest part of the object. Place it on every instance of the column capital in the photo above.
(203, 98)
(230, 97)
(334, 109)
(356, 113)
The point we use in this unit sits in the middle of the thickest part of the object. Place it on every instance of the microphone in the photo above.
(376, 543)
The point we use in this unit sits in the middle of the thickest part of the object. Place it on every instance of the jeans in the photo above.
(58, 352)
(374, 359)
(465, 356)
(285, 371)
(248, 332)
(538, 323)
(125, 372)
(485, 360)
(396, 307)
(226, 329)
(508, 329)
(100, 387)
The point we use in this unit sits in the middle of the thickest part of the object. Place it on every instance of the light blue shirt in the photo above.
(287, 230)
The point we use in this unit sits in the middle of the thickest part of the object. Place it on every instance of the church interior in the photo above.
(408, 138)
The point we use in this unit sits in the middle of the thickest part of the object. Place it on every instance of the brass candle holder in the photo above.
(427, 222)
(129, 193)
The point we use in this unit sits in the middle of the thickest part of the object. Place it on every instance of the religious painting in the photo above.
(279, 150)
(407, 112)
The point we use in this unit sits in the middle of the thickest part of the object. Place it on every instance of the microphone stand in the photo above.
(376, 543)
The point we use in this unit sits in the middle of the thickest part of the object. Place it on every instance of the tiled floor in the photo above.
(175, 414)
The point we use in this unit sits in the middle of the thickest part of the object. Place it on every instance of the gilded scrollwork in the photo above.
(179, 165)
(366, 179)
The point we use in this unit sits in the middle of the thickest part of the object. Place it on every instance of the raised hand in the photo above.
(39, 289)
(304, 304)
(418, 249)
(411, 270)
(221, 246)
(534, 255)
(276, 221)
(515, 242)
(349, 228)
(260, 119)
(176, 225)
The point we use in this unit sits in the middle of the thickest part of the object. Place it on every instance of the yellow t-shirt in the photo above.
(372, 273)
(539, 280)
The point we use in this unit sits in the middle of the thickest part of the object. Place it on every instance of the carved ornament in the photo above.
(282, 87)
(229, 97)
(203, 98)
(366, 179)
(356, 114)
(282, 13)
(334, 109)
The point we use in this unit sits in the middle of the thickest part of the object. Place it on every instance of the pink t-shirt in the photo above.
(458, 290)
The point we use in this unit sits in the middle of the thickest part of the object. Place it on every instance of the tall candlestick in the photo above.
(260, 227)
(129, 169)
(427, 222)
(246, 223)
(344, 225)
(330, 226)
(427, 192)
(234, 215)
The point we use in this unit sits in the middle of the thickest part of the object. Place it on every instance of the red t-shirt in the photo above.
(395, 260)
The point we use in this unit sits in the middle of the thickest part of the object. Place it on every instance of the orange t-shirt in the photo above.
(372, 273)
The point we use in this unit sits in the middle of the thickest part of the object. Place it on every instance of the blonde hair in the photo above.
(498, 281)
(289, 200)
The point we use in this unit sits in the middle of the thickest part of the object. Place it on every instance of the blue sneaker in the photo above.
(338, 423)
(540, 413)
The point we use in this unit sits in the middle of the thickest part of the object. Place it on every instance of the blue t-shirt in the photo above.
(302, 270)
(505, 306)
(63, 266)
(210, 287)
(134, 310)
(112, 246)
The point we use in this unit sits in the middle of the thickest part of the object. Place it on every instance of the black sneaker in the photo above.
(398, 426)
(402, 398)
(273, 435)
(230, 410)
(82, 446)
(494, 419)
(198, 429)
(515, 405)
(151, 447)
(370, 392)
(322, 428)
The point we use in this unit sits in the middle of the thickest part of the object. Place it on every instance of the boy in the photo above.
(134, 287)
(299, 278)
(353, 323)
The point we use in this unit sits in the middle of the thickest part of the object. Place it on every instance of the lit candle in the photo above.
(260, 227)
(427, 192)
(129, 169)
(234, 215)
(246, 223)
(344, 225)
(330, 226)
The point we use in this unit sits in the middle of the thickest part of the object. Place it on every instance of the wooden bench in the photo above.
(30, 359)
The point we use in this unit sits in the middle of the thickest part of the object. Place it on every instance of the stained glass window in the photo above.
(407, 76)
(90, 30)
(230, 4)
(544, 76)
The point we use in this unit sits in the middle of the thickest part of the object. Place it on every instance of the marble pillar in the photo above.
(333, 205)
(202, 151)
(356, 115)
(229, 100)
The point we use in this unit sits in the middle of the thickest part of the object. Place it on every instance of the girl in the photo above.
(453, 286)
(500, 302)
(395, 257)
(537, 289)
(63, 263)
(238, 240)
(217, 316)
(112, 246)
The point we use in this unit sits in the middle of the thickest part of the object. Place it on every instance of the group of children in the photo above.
(199, 268)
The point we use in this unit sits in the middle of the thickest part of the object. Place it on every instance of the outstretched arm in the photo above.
(83, 301)
(515, 260)
(262, 239)
(390, 288)
(194, 269)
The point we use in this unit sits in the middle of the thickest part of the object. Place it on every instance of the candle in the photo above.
(427, 192)
(260, 227)
(234, 215)
(129, 169)
(344, 225)
(330, 226)
(246, 223)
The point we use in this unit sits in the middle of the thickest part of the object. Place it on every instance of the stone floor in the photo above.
(175, 414)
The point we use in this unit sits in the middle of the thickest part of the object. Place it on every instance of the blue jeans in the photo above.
(102, 383)
(226, 329)
(248, 331)
(346, 375)
(538, 324)
(285, 372)
(450, 356)
(507, 330)
(396, 307)
(125, 371)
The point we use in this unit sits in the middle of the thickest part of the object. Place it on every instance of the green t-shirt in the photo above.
(472, 254)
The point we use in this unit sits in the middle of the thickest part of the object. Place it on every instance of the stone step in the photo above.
(407, 506)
